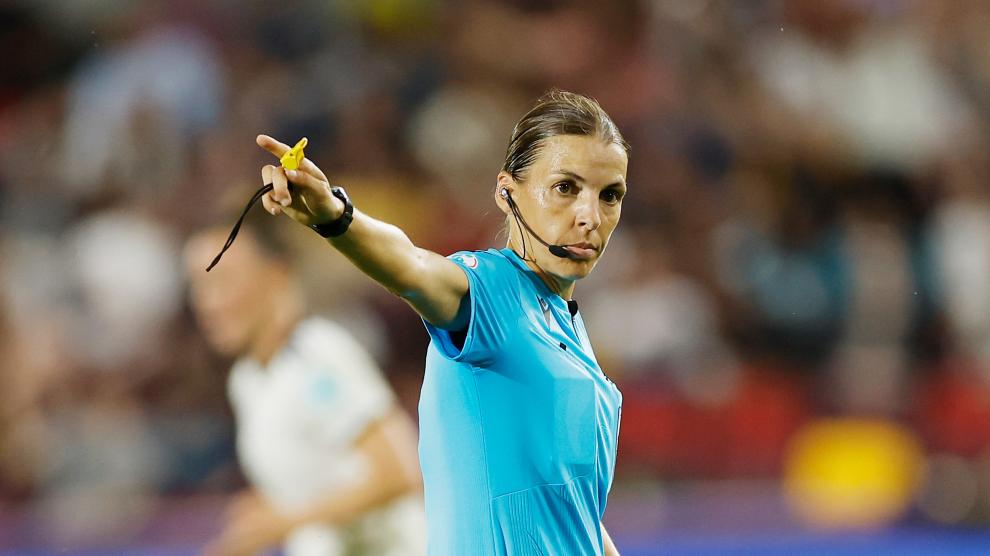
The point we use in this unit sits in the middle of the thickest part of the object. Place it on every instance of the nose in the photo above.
(589, 215)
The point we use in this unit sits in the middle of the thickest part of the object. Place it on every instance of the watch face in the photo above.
(342, 195)
(340, 225)
(339, 193)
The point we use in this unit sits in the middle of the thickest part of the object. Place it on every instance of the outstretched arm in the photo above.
(431, 284)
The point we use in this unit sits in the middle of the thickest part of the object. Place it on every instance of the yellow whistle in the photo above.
(292, 159)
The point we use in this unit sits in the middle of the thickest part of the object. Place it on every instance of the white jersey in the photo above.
(297, 420)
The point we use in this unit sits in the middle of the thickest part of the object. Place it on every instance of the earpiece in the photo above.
(504, 192)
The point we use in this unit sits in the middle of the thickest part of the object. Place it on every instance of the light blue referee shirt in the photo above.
(518, 429)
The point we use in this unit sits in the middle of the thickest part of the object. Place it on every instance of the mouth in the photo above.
(582, 251)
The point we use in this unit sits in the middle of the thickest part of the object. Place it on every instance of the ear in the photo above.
(507, 184)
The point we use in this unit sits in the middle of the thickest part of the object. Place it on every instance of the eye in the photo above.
(564, 187)
(611, 196)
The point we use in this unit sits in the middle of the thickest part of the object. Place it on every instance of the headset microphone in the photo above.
(558, 251)
(555, 250)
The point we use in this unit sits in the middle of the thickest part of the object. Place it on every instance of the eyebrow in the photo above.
(570, 174)
(577, 177)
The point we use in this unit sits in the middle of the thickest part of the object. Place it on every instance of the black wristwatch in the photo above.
(340, 225)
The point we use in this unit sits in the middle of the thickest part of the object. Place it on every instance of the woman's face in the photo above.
(230, 301)
(571, 195)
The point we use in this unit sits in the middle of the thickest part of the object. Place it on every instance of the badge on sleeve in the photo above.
(469, 260)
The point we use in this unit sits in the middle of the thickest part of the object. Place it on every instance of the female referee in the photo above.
(518, 422)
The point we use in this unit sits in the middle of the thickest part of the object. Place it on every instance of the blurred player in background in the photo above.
(329, 454)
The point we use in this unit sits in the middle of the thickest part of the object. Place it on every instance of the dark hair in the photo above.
(557, 113)
(265, 231)
(269, 235)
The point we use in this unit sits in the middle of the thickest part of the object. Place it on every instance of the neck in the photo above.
(275, 332)
(563, 288)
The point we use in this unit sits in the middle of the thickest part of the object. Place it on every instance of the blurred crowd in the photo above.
(806, 235)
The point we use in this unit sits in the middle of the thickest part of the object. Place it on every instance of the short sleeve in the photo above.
(489, 291)
(344, 388)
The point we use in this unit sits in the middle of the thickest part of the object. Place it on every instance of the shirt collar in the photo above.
(541, 286)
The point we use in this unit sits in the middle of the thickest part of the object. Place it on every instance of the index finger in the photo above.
(278, 148)
(272, 145)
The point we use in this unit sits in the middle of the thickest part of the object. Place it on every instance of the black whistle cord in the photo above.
(237, 227)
